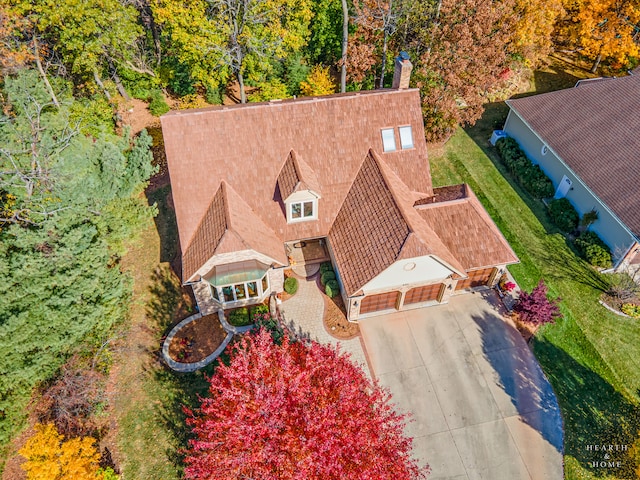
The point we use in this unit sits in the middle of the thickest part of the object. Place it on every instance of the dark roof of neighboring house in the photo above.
(476, 241)
(595, 129)
(375, 227)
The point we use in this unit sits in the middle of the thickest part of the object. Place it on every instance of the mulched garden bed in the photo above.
(335, 317)
(197, 340)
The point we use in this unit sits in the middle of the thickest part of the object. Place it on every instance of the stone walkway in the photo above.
(303, 313)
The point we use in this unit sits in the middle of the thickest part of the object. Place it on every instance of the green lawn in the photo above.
(592, 357)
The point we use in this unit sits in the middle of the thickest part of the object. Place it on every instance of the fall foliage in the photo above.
(50, 457)
(536, 308)
(294, 410)
(319, 82)
(533, 37)
(469, 47)
(607, 29)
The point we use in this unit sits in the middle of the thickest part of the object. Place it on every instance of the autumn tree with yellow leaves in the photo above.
(533, 36)
(319, 82)
(223, 39)
(50, 457)
(606, 29)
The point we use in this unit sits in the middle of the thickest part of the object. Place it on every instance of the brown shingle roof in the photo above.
(594, 129)
(369, 230)
(247, 146)
(377, 225)
(467, 230)
(229, 225)
(296, 175)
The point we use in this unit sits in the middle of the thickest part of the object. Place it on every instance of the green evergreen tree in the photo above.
(75, 199)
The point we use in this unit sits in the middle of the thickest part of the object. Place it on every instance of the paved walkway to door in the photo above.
(304, 313)
(481, 406)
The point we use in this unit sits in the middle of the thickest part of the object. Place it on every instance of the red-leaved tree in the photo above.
(536, 308)
(296, 410)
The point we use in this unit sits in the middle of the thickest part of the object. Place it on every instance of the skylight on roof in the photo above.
(406, 137)
(388, 140)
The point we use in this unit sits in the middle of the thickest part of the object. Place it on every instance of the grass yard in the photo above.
(149, 428)
(592, 357)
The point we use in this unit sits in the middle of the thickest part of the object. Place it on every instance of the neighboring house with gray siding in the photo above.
(587, 140)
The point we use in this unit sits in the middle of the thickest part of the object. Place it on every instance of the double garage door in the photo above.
(477, 278)
(390, 300)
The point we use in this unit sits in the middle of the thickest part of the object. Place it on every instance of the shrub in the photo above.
(326, 276)
(157, 105)
(326, 267)
(259, 309)
(536, 308)
(563, 214)
(291, 285)
(50, 456)
(593, 249)
(239, 317)
(631, 309)
(530, 176)
(332, 288)
(260, 313)
(588, 218)
(536, 182)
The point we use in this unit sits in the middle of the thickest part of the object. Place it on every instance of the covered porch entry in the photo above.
(305, 252)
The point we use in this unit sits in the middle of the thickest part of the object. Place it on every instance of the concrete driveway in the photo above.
(481, 406)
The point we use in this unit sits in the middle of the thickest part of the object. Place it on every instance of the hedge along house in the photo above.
(587, 140)
(344, 177)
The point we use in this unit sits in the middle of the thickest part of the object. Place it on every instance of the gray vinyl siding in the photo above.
(608, 226)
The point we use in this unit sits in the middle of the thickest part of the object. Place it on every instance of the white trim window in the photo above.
(241, 291)
(388, 140)
(302, 210)
(406, 137)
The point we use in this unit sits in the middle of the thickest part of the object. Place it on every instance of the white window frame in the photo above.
(406, 146)
(258, 281)
(302, 218)
(386, 145)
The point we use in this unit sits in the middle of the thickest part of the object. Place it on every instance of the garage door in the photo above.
(382, 301)
(423, 294)
(476, 278)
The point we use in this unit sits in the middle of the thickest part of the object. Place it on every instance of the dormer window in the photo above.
(299, 211)
(406, 137)
(388, 140)
(299, 189)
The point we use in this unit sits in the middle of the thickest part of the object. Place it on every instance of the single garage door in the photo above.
(423, 294)
(476, 278)
(376, 303)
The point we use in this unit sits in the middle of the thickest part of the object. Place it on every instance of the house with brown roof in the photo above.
(344, 178)
(587, 140)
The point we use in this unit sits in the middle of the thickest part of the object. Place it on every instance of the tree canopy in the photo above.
(70, 200)
(294, 410)
(608, 29)
(50, 457)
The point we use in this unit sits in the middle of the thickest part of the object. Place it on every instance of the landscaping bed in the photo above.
(197, 340)
(335, 319)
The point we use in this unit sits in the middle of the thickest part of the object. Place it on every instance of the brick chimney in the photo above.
(402, 72)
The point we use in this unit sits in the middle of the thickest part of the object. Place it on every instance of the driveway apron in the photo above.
(480, 404)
